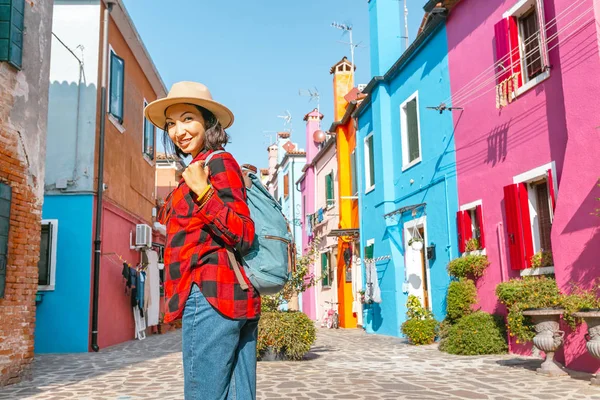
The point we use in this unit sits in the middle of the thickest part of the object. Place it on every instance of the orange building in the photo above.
(349, 275)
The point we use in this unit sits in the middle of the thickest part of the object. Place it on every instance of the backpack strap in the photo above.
(211, 155)
(236, 269)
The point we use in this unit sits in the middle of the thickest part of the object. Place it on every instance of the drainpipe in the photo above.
(98, 236)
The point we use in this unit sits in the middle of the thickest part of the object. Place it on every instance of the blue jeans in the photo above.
(219, 354)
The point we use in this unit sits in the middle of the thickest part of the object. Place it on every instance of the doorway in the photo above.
(415, 261)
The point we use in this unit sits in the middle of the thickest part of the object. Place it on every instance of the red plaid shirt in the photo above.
(195, 251)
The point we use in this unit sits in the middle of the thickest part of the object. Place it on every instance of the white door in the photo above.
(417, 268)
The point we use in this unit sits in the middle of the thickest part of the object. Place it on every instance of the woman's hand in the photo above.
(196, 177)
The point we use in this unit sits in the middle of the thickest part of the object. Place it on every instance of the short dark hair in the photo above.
(215, 136)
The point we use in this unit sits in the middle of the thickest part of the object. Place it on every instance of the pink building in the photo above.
(527, 141)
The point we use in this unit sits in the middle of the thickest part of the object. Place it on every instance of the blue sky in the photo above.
(256, 55)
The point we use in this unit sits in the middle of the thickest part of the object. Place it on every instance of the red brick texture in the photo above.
(17, 308)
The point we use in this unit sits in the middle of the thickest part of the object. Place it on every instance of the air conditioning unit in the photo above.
(143, 235)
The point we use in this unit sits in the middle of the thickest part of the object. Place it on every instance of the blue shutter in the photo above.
(11, 31)
(5, 203)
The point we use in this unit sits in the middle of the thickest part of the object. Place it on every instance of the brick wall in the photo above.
(23, 116)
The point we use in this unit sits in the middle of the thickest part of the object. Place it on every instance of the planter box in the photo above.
(548, 337)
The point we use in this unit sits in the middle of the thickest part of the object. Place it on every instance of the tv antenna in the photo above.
(287, 119)
(314, 95)
(405, 37)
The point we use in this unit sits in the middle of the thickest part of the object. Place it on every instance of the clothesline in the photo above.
(378, 259)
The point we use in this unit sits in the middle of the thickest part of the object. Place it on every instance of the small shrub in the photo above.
(472, 245)
(420, 331)
(580, 300)
(444, 329)
(470, 265)
(290, 333)
(521, 294)
(542, 259)
(462, 295)
(476, 334)
(420, 327)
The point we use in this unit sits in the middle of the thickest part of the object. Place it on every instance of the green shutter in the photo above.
(353, 172)
(5, 203)
(369, 251)
(413, 130)
(329, 189)
(371, 162)
(325, 269)
(11, 31)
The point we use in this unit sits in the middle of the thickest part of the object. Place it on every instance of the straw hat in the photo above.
(189, 93)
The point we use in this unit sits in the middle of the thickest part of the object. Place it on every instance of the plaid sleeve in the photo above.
(226, 213)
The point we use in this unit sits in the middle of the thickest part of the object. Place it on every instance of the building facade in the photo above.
(24, 71)
(75, 121)
(406, 155)
(528, 133)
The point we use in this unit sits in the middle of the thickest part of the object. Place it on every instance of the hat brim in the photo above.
(155, 111)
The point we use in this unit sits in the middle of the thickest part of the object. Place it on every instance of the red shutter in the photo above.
(479, 215)
(515, 54)
(461, 231)
(502, 49)
(551, 189)
(467, 226)
(518, 226)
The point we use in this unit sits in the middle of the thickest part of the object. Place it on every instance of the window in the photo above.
(353, 178)
(148, 144)
(286, 185)
(325, 281)
(330, 198)
(5, 204)
(411, 141)
(47, 262)
(529, 205)
(117, 84)
(521, 54)
(369, 163)
(469, 222)
(11, 32)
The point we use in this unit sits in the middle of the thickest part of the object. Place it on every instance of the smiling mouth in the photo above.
(183, 143)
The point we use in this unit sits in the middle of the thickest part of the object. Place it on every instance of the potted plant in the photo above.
(420, 327)
(584, 305)
(472, 245)
(542, 259)
(534, 310)
(416, 243)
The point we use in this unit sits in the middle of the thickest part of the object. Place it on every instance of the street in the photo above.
(344, 364)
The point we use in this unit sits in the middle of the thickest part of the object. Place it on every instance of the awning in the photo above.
(402, 210)
(344, 232)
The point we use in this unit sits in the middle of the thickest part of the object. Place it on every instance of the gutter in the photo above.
(438, 17)
(98, 235)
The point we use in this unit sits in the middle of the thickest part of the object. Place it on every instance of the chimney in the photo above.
(343, 82)
(313, 123)
(273, 150)
(385, 32)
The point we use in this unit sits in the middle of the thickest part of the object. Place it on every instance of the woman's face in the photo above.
(185, 127)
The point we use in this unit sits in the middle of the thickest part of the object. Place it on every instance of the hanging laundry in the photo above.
(153, 282)
(140, 324)
(140, 291)
(309, 227)
(372, 292)
(320, 215)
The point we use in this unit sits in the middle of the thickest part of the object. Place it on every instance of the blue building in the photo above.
(406, 157)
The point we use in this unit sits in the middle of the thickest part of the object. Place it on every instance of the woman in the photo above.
(205, 216)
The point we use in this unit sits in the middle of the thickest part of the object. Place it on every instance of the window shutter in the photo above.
(325, 269)
(515, 53)
(371, 162)
(479, 216)
(520, 240)
(329, 188)
(5, 204)
(286, 185)
(461, 231)
(11, 31)
(502, 50)
(551, 189)
(369, 251)
(413, 130)
(45, 253)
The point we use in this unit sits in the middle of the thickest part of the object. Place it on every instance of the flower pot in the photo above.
(592, 319)
(417, 245)
(548, 338)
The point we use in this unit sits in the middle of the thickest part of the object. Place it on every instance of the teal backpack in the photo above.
(272, 257)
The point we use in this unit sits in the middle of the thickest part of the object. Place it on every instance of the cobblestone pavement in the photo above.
(344, 364)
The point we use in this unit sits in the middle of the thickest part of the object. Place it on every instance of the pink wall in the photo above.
(555, 121)
(313, 121)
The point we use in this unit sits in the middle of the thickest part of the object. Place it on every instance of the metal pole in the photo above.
(98, 230)
(406, 24)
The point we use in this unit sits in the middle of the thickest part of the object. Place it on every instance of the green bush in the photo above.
(444, 329)
(476, 334)
(470, 265)
(462, 295)
(580, 300)
(289, 333)
(420, 327)
(521, 294)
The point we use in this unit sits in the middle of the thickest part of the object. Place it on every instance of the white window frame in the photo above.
(329, 280)
(404, 133)
(144, 119)
(531, 176)
(518, 10)
(111, 118)
(471, 207)
(52, 258)
(371, 187)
